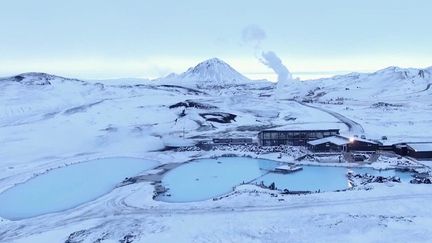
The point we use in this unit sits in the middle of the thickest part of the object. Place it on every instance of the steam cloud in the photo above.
(253, 34)
(271, 60)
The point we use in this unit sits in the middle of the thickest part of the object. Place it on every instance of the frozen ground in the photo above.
(48, 122)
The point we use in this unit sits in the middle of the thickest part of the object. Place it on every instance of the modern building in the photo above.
(341, 143)
(360, 144)
(416, 149)
(328, 144)
(295, 137)
(419, 150)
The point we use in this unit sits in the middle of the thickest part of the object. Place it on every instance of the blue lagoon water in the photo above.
(68, 187)
(207, 178)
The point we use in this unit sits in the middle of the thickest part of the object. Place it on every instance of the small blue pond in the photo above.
(207, 178)
(68, 187)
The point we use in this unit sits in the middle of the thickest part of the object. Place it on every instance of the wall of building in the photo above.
(420, 155)
(295, 138)
(362, 146)
(326, 147)
(233, 141)
(400, 150)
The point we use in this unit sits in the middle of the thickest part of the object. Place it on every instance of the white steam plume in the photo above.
(254, 35)
(271, 60)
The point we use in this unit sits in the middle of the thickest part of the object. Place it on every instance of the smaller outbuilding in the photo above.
(342, 143)
(328, 144)
(419, 150)
(361, 144)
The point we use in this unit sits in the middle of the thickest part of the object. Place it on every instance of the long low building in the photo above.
(419, 150)
(295, 137)
(233, 141)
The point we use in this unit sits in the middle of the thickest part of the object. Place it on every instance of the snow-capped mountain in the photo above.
(385, 83)
(210, 73)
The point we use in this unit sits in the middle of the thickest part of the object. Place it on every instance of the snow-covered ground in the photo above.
(48, 122)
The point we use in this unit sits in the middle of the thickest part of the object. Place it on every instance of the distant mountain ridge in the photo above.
(387, 82)
(216, 73)
(37, 78)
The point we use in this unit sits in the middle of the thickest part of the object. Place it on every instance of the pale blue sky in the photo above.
(149, 38)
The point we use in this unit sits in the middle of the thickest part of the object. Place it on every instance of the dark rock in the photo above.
(421, 181)
(220, 117)
(272, 186)
(193, 104)
(127, 238)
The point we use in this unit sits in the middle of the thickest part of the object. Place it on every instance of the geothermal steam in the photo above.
(255, 35)
(271, 60)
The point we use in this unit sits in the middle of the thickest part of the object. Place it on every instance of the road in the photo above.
(353, 126)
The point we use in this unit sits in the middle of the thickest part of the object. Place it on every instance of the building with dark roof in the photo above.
(360, 144)
(342, 143)
(419, 150)
(328, 144)
(294, 137)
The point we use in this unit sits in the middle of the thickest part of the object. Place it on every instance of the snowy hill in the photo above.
(31, 78)
(391, 82)
(32, 96)
(210, 73)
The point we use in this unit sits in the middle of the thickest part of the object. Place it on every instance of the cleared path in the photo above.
(353, 126)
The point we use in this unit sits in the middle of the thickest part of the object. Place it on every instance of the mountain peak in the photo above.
(211, 72)
(212, 64)
(214, 60)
